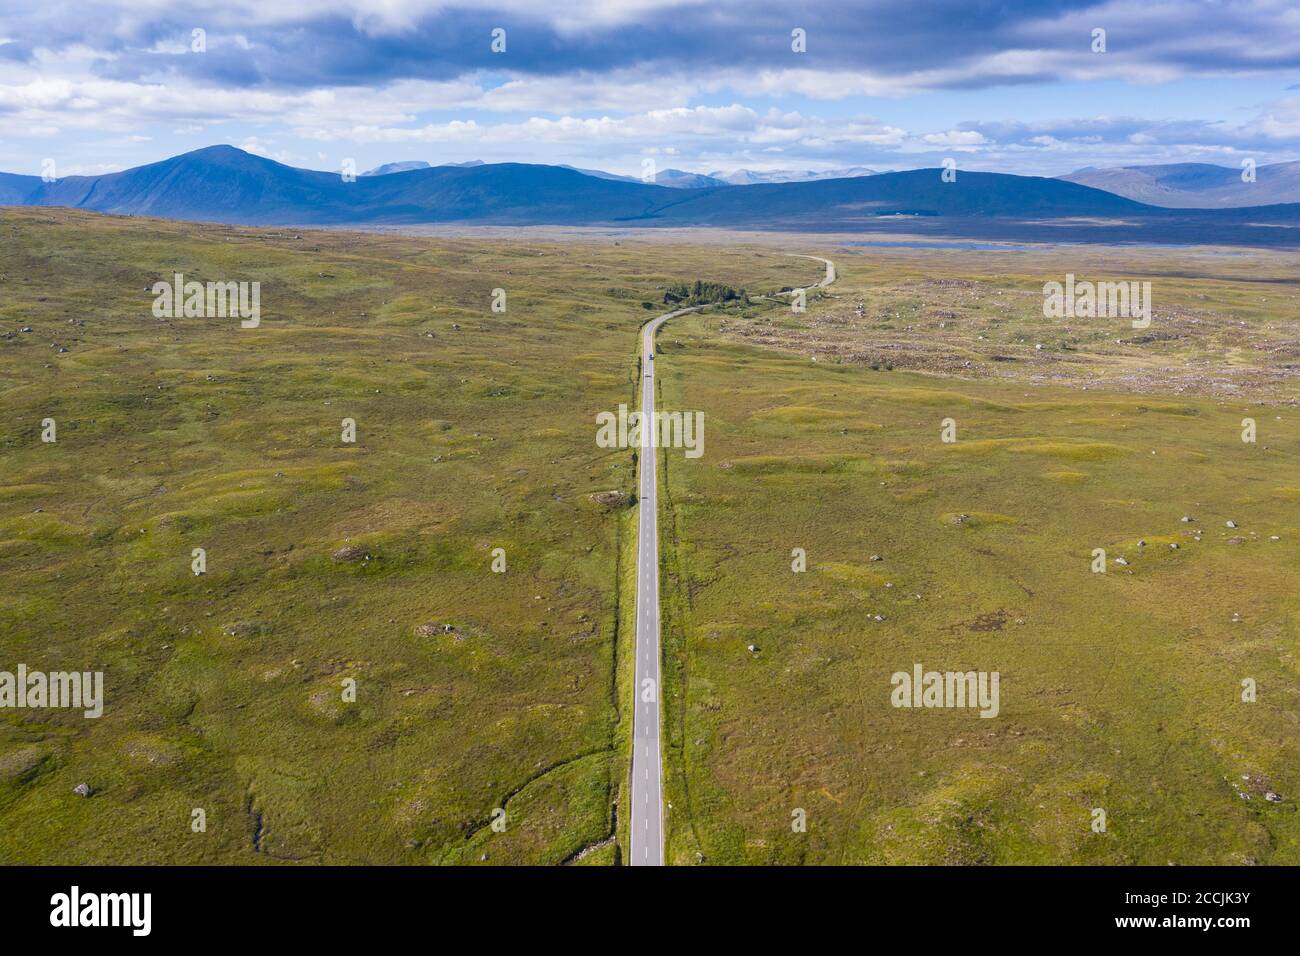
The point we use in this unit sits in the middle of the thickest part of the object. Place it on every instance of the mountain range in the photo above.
(676, 178)
(225, 184)
(1196, 185)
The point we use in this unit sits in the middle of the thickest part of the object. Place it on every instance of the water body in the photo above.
(1020, 246)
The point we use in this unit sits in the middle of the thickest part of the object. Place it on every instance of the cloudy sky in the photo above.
(701, 86)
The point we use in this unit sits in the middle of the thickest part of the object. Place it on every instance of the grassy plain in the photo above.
(475, 430)
(1119, 690)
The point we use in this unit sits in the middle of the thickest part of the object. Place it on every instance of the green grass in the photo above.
(1118, 690)
(476, 431)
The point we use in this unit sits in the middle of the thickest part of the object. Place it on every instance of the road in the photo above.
(647, 821)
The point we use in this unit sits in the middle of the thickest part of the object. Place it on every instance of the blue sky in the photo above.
(892, 84)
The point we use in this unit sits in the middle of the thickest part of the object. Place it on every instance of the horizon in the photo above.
(475, 161)
(1029, 89)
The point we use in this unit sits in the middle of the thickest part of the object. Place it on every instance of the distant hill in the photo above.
(674, 178)
(749, 177)
(1196, 185)
(405, 166)
(683, 180)
(918, 192)
(14, 189)
(599, 174)
(224, 184)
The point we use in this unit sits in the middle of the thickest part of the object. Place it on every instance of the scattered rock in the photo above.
(433, 630)
(243, 629)
(610, 499)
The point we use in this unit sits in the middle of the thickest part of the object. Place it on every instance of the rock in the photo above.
(350, 553)
(1122, 561)
(1274, 537)
(1231, 524)
(1272, 797)
(1142, 543)
(875, 557)
(82, 790)
(1236, 541)
(752, 648)
(243, 629)
(1174, 546)
(610, 499)
(1187, 518)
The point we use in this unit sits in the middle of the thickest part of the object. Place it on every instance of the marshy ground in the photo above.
(371, 562)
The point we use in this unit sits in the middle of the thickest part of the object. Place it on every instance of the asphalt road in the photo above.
(647, 822)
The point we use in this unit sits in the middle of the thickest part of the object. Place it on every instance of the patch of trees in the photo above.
(703, 292)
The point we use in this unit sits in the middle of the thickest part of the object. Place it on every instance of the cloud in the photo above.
(611, 80)
(956, 137)
(887, 44)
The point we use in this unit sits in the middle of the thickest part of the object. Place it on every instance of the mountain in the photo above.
(405, 166)
(219, 183)
(224, 184)
(917, 192)
(748, 177)
(1196, 185)
(678, 179)
(599, 174)
(14, 189)
(675, 178)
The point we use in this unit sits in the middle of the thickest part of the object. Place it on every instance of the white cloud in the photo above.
(955, 137)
